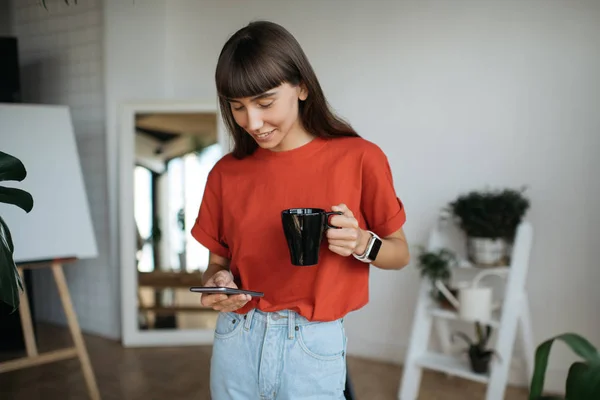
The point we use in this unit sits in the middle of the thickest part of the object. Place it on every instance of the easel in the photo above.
(33, 358)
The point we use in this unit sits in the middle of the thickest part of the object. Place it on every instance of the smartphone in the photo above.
(224, 290)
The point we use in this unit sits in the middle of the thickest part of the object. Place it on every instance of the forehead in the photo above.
(283, 88)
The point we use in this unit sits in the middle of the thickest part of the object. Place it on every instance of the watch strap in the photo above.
(372, 249)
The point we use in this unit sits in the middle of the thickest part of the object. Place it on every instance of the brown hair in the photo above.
(259, 57)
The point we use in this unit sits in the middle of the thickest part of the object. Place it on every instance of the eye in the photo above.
(265, 105)
(236, 108)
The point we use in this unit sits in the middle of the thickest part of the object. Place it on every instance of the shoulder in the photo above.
(227, 164)
(223, 167)
(360, 147)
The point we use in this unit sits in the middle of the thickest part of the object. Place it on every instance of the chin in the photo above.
(271, 142)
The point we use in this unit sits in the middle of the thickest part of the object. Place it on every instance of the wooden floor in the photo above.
(182, 373)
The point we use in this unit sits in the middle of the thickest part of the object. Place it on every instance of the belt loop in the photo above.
(291, 324)
(248, 319)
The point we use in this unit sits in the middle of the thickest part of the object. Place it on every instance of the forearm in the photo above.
(393, 253)
(211, 270)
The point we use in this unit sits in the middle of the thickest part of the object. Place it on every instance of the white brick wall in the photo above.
(61, 55)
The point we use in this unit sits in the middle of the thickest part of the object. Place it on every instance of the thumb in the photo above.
(221, 279)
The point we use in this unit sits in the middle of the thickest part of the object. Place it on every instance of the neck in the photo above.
(296, 137)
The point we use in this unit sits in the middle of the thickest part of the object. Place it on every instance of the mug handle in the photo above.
(330, 213)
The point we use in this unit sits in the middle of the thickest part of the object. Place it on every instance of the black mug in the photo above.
(304, 229)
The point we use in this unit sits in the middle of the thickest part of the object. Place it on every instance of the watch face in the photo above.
(374, 249)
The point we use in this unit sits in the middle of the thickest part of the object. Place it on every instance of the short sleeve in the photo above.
(208, 228)
(381, 207)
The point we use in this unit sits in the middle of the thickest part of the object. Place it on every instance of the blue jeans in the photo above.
(279, 355)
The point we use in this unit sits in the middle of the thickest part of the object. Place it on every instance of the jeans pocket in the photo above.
(228, 325)
(325, 341)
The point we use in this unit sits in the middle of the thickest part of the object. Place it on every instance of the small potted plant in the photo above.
(490, 220)
(11, 169)
(479, 355)
(436, 265)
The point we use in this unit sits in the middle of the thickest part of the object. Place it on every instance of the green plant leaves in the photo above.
(17, 197)
(583, 381)
(436, 265)
(10, 281)
(11, 169)
(490, 214)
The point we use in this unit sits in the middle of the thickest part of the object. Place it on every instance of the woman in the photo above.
(289, 151)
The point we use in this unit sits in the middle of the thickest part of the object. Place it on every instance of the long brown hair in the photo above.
(259, 57)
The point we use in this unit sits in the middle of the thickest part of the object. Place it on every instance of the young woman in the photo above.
(289, 151)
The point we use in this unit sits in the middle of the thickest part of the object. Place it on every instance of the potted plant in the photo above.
(583, 379)
(435, 265)
(479, 355)
(490, 220)
(11, 169)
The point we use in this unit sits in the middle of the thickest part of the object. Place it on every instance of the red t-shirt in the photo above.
(240, 219)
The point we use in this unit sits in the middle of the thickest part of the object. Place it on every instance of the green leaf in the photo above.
(578, 344)
(11, 168)
(18, 197)
(583, 381)
(10, 281)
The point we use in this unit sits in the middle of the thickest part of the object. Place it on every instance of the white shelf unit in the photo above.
(511, 319)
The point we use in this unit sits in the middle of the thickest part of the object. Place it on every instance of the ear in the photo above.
(302, 91)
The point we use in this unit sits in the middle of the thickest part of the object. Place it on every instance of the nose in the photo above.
(254, 120)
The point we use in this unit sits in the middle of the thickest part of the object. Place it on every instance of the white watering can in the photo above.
(474, 302)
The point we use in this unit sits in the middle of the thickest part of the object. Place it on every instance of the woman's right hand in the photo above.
(223, 302)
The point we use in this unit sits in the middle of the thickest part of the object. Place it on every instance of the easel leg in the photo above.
(26, 322)
(65, 297)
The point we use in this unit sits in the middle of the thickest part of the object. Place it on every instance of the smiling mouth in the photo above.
(264, 135)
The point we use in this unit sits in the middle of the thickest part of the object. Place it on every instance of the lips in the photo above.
(264, 136)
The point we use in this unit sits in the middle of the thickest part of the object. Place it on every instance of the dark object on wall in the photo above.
(10, 79)
(11, 333)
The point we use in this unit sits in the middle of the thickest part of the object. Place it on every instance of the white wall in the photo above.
(60, 51)
(460, 95)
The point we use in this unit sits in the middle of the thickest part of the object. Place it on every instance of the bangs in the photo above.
(246, 71)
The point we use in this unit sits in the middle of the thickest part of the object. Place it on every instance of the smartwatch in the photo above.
(372, 249)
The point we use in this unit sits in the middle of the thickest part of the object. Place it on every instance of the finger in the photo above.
(223, 278)
(342, 234)
(343, 251)
(208, 300)
(344, 222)
(231, 307)
(343, 208)
(231, 300)
(349, 244)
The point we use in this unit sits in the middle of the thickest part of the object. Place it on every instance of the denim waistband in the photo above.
(291, 319)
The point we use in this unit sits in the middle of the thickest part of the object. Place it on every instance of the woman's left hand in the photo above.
(349, 239)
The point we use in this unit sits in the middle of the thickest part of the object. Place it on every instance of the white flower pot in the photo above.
(488, 252)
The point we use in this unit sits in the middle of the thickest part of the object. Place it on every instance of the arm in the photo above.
(393, 253)
(216, 263)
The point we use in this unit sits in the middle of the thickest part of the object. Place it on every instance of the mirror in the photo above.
(169, 153)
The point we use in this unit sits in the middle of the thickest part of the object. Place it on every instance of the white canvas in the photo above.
(59, 225)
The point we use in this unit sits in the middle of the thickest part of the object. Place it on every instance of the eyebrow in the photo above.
(257, 97)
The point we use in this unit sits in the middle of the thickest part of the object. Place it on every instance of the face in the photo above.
(271, 118)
